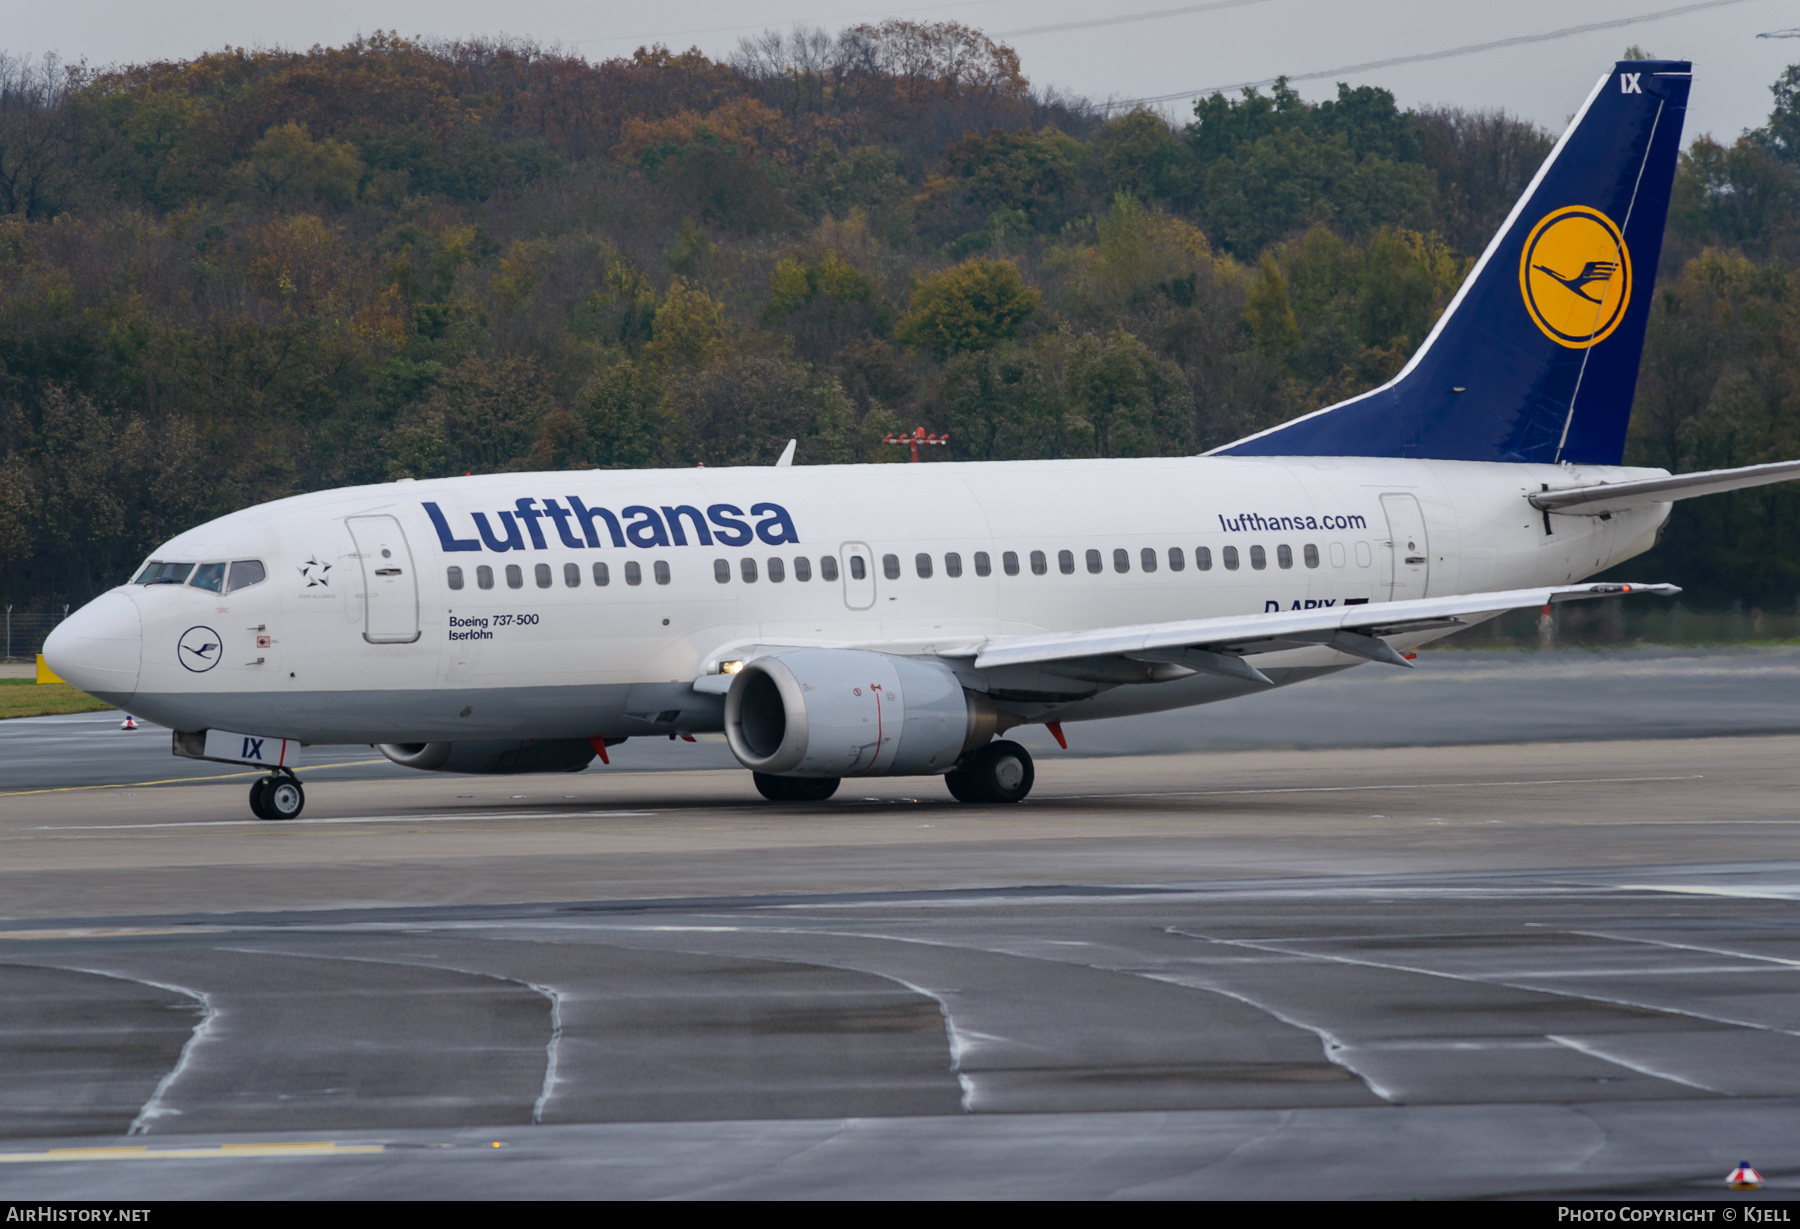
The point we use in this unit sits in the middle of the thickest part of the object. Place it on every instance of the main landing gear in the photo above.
(277, 797)
(794, 789)
(998, 772)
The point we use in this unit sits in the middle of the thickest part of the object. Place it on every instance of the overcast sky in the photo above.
(1130, 49)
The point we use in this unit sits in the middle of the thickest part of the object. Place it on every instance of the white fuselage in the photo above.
(307, 653)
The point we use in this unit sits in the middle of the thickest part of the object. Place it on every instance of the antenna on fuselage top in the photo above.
(787, 455)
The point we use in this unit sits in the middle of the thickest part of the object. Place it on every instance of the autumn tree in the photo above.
(969, 306)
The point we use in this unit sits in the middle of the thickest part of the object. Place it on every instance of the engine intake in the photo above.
(852, 713)
(497, 756)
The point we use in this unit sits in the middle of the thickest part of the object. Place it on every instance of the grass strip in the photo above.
(25, 698)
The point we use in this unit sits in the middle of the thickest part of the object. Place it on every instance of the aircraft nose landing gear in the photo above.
(277, 797)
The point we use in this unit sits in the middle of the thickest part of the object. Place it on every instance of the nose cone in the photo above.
(98, 648)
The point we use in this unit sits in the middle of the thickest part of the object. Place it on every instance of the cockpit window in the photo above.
(209, 576)
(156, 572)
(244, 573)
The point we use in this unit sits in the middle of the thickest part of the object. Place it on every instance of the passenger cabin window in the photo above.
(209, 576)
(453, 576)
(1147, 558)
(858, 569)
(1310, 553)
(634, 574)
(541, 574)
(1038, 564)
(157, 572)
(952, 564)
(572, 575)
(1065, 562)
(802, 568)
(1259, 558)
(602, 576)
(484, 576)
(1203, 558)
(828, 567)
(985, 567)
(661, 570)
(747, 569)
(1093, 562)
(1121, 560)
(1230, 556)
(1337, 554)
(244, 573)
(777, 570)
(722, 571)
(890, 566)
(1363, 557)
(1177, 559)
(1284, 556)
(922, 562)
(515, 577)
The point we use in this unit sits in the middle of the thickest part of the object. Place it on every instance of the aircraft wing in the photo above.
(1620, 496)
(1220, 645)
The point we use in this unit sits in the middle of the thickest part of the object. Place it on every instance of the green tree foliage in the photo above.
(252, 273)
(1033, 173)
(1782, 134)
(1746, 195)
(1719, 388)
(288, 164)
(969, 306)
(1139, 155)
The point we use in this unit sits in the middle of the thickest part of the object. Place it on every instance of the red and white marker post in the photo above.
(1744, 1178)
(916, 438)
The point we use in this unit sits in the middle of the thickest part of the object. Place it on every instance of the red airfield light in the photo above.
(916, 438)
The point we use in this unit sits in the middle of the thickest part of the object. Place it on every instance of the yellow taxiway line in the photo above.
(221, 1152)
(224, 776)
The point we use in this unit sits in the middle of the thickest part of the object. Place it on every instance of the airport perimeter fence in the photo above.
(26, 631)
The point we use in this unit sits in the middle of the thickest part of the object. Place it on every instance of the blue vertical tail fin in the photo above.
(1536, 358)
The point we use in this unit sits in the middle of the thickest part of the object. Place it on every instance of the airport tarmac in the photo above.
(1512, 969)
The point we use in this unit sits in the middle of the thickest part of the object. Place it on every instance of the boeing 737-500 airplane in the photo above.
(842, 621)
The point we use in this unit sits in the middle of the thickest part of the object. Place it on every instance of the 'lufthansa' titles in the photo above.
(529, 523)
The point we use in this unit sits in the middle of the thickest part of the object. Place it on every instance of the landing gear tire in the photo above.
(794, 789)
(999, 772)
(277, 798)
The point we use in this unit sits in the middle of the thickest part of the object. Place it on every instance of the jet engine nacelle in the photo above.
(496, 756)
(852, 713)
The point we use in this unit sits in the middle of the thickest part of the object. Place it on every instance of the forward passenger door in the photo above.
(390, 586)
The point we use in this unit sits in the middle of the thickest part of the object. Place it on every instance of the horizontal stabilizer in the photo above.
(1355, 630)
(1608, 497)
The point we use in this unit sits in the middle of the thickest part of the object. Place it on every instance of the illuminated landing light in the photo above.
(730, 667)
(1744, 1178)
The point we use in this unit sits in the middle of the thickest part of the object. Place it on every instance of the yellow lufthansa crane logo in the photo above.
(1575, 276)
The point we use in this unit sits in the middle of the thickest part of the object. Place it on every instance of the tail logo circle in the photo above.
(1575, 276)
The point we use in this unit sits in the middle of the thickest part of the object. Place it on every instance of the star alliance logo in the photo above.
(316, 573)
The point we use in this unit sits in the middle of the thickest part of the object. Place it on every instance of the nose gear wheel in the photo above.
(277, 797)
